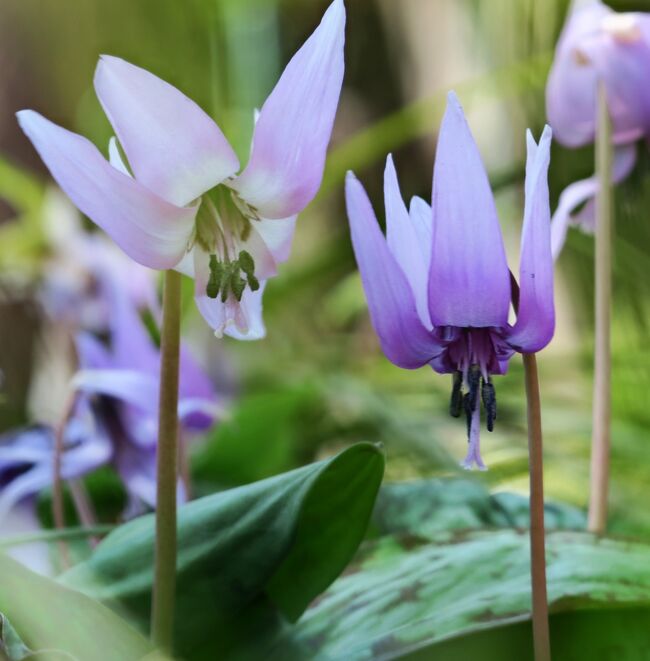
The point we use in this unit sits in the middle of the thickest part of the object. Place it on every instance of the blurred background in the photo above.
(319, 381)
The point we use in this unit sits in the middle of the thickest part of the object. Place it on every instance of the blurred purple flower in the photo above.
(185, 207)
(598, 44)
(438, 285)
(114, 419)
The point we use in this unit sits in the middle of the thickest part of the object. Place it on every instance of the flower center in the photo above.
(223, 224)
(474, 355)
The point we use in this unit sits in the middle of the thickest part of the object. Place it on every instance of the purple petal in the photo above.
(404, 242)
(149, 229)
(91, 353)
(583, 191)
(295, 124)
(404, 339)
(422, 220)
(598, 43)
(197, 406)
(469, 281)
(536, 315)
(174, 148)
(130, 386)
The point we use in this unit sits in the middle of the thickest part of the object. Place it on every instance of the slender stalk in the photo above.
(162, 611)
(84, 506)
(601, 415)
(541, 637)
(58, 509)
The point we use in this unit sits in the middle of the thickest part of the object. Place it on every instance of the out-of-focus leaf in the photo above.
(66, 623)
(244, 555)
(262, 437)
(433, 601)
(425, 508)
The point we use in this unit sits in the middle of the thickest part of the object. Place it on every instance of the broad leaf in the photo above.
(469, 597)
(425, 508)
(246, 554)
(44, 615)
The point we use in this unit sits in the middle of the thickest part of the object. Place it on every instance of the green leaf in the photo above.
(47, 616)
(471, 598)
(246, 554)
(425, 508)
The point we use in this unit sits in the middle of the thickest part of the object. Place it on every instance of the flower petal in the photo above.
(469, 281)
(598, 43)
(149, 229)
(295, 124)
(130, 386)
(403, 337)
(583, 191)
(535, 323)
(422, 220)
(403, 242)
(174, 148)
(277, 235)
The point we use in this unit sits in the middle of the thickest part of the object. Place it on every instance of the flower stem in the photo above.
(541, 637)
(162, 611)
(601, 415)
(58, 508)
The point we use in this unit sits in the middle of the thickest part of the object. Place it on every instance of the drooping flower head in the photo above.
(598, 44)
(179, 202)
(438, 284)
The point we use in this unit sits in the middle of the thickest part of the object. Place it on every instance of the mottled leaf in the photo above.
(470, 595)
(425, 508)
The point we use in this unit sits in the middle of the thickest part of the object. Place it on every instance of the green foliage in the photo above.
(55, 622)
(249, 558)
(471, 593)
(427, 508)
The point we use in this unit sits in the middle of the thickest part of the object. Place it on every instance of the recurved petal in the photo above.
(149, 229)
(403, 337)
(469, 281)
(295, 123)
(535, 323)
(584, 191)
(404, 242)
(174, 148)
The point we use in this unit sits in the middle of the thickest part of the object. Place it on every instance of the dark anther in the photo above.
(214, 281)
(489, 397)
(456, 400)
(474, 379)
(248, 267)
(467, 404)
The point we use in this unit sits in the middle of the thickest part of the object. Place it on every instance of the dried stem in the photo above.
(162, 611)
(601, 415)
(541, 637)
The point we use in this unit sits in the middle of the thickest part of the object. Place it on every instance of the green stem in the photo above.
(601, 415)
(162, 611)
(541, 636)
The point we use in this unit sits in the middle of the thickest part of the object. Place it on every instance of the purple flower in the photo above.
(114, 420)
(180, 202)
(598, 44)
(438, 285)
